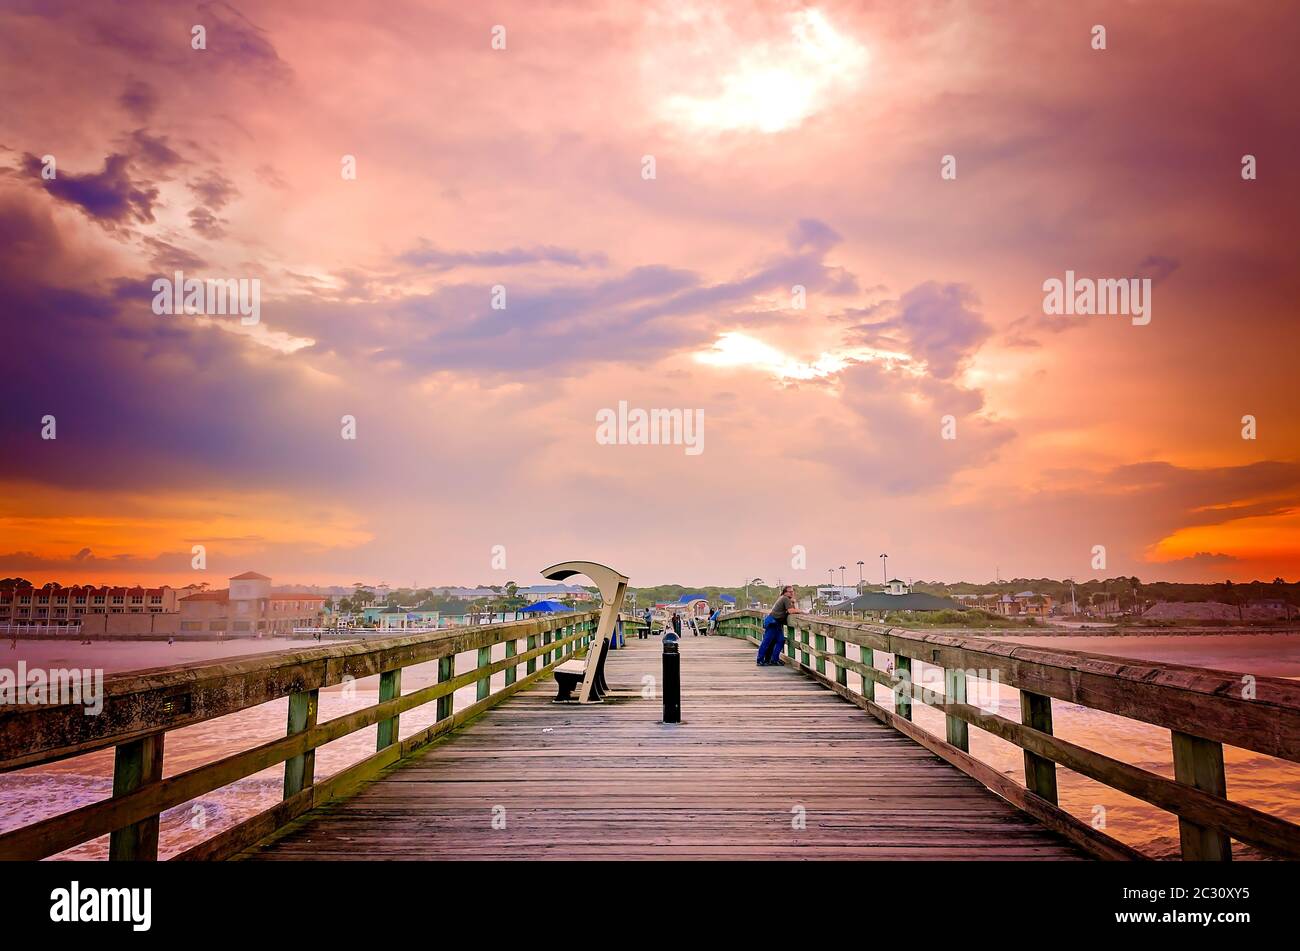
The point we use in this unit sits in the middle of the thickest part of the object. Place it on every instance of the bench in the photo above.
(570, 674)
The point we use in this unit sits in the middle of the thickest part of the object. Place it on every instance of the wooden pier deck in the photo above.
(761, 752)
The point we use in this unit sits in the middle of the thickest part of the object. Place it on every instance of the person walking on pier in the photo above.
(677, 624)
(769, 652)
(649, 624)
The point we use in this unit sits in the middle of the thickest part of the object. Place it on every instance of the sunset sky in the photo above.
(793, 145)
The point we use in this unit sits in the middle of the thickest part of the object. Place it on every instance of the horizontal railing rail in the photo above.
(1203, 710)
(140, 708)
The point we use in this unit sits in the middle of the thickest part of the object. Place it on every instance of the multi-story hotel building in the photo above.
(248, 608)
(55, 604)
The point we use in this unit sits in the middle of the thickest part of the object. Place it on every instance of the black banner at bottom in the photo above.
(888, 901)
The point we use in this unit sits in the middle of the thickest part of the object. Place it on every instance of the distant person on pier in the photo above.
(649, 624)
(769, 652)
(677, 624)
(713, 620)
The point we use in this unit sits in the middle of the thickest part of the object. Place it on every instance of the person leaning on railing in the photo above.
(769, 652)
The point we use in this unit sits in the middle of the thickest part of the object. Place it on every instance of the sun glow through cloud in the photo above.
(772, 87)
(741, 350)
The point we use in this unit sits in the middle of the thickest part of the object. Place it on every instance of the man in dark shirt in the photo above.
(769, 652)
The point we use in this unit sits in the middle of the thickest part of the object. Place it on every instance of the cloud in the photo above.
(139, 99)
(110, 197)
(933, 322)
(427, 256)
(890, 437)
(206, 223)
(169, 257)
(813, 234)
(214, 189)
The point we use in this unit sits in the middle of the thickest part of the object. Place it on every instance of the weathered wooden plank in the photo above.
(1199, 763)
(610, 780)
(1215, 704)
(299, 771)
(140, 703)
(136, 765)
(1040, 772)
(903, 676)
(484, 685)
(390, 688)
(954, 688)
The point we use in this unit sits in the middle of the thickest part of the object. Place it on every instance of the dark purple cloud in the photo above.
(109, 196)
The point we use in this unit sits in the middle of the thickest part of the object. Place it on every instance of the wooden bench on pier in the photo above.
(588, 677)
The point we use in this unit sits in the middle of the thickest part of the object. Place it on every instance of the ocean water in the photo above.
(28, 795)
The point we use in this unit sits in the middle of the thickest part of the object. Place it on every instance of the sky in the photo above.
(826, 228)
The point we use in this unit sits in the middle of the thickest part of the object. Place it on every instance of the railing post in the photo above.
(135, 764)
(841, 673)
(300, 770)
(446, 670)
(531, 666)
(1040, 773)
(510, 671)
(820, 640)
(546, 655)
(390, 688)
(868, 658)
(1199, 762)
(954, 691)
(902, 700)
(483, 686)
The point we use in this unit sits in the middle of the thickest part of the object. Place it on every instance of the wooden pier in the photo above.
(767, 765)
(792, 762)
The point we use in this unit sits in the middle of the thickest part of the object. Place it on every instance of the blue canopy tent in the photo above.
(545, 607)
(692, 597)
(728, 598)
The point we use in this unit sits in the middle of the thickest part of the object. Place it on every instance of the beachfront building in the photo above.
(55, 604)
(249, 608)
(895, 596)
(1023, 604)
(555, 592)
(401, 619)
(835, 593)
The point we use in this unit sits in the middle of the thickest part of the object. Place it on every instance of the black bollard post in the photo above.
(672, 679)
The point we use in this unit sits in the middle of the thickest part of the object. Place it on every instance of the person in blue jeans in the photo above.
(769, 652)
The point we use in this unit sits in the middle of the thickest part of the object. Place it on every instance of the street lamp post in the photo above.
(841, 576)
(860, 564)
(884, 568)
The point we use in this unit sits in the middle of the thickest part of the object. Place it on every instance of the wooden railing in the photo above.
(141, 708)
(1202, 709)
